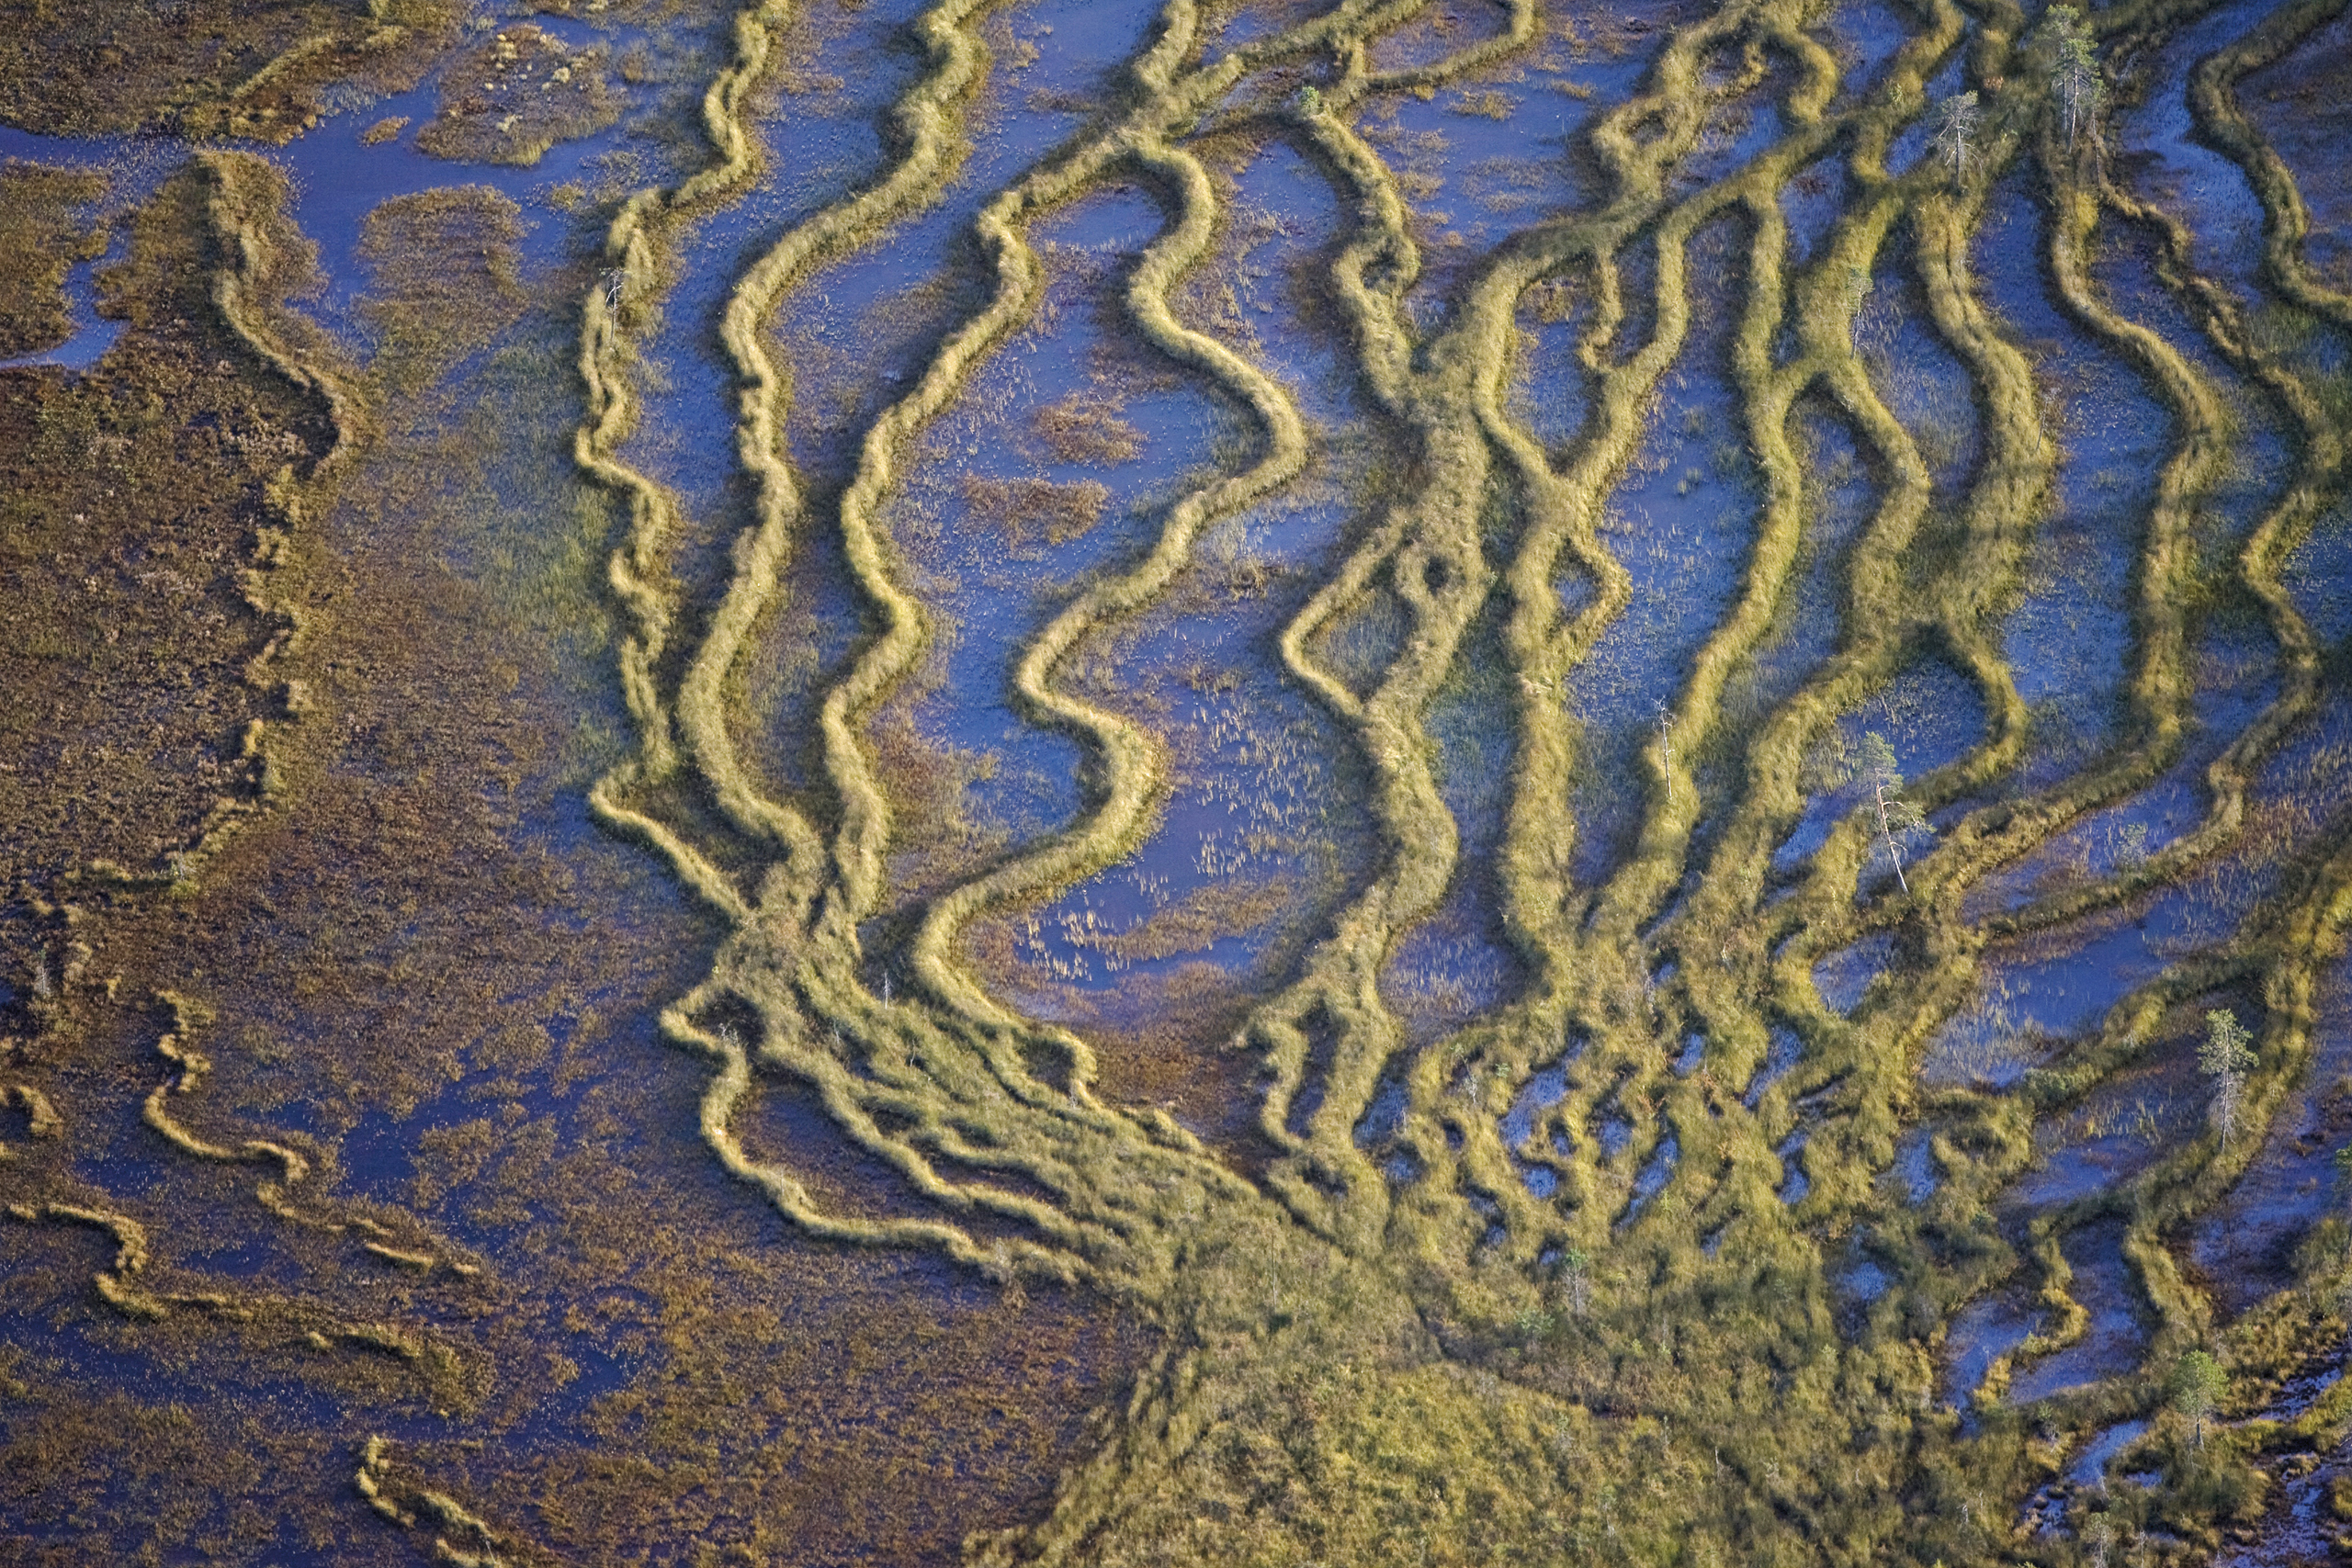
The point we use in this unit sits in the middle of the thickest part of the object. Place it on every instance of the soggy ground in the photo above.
(1422, 783)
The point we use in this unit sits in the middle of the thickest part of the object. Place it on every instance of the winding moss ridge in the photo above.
(128, 1284)
(254, 251)
(1663, 1323)
(254, 258)
(461, 1537)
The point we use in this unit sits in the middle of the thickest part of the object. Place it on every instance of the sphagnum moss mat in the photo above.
(1896, 1130)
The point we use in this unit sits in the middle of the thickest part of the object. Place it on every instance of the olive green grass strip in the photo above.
(41, 1119)
(177, 1046)
(1994, 836)
(369, 1482)
(1966, 603)
(247, 193)
(2282, 531)
(2213, 98)
(441, 1372)
(406, 1245)
(636, 571)
(122, 1285)
(1519, 21)
(287, 60)
(1546, 657)
(2282, 953)
(2033, 482)
(1065, 861)
(1825, 310)
(478, 1546)
(1169, 99)
(1713, 987)
(1000, 1257)
(927, 125)
(1340, 986)
(2279, 951)
(1565, 507)
(1382, 347)
(255, 257)
(1133, 762)
(2157, 687)
(827, 985)
(1686, 1300)
(1883, 624)
(1436, 566)
(116, 1283)
(2288, 524)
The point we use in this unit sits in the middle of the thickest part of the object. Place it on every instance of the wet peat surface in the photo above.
(1840, 993)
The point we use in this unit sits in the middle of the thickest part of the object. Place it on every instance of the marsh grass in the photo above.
(1585, 1025)
(45, 220)
(518, 92)
(215, 67)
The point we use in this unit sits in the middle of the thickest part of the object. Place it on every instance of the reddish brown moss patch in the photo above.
(85, 67)
(448, 270)
(511, 98)
(129, 503)
(1025, 508)
(43, 234)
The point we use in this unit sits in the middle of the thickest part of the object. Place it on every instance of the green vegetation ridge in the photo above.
(1662, 1359)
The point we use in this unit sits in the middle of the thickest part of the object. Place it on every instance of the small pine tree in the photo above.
(1956, 133)
(1576, 1280)
(2225, 1057)
(2099, 1539)
(2074, 75)
(2197, 1384)
(1898, 819)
